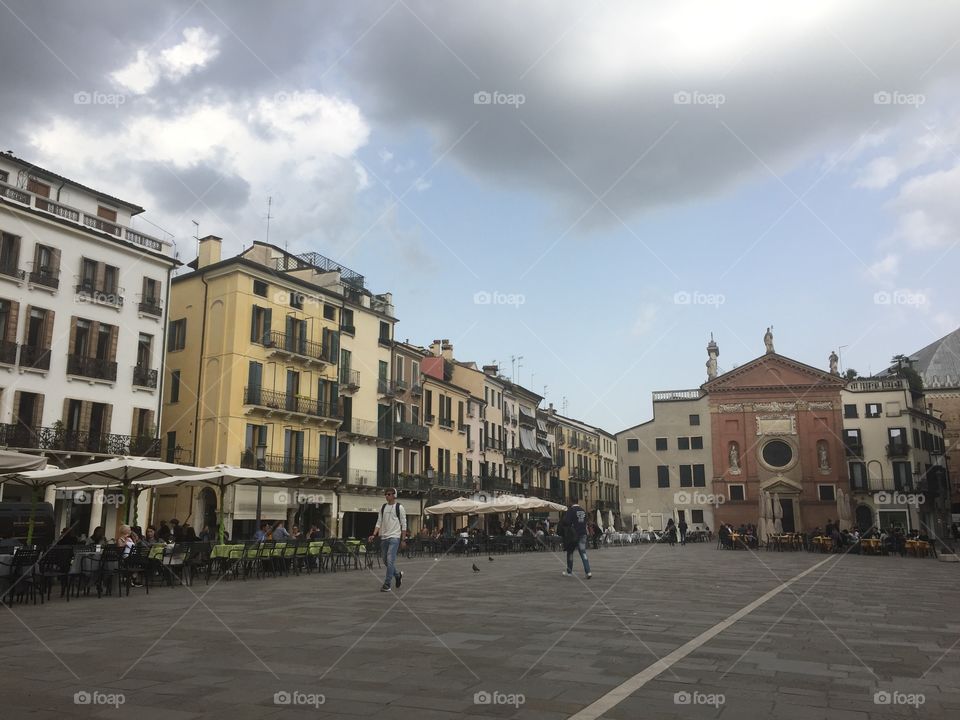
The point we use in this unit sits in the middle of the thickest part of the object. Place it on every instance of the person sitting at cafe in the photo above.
(67, 537)
(150, 537)
(280, 532)
(163, 532)
(295, 533)
(263, 533)
(315, 533)
(188, 534)
(205, 534)
(98, 537)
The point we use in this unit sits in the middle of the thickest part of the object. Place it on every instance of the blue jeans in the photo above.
(389, 547)
(581, 547)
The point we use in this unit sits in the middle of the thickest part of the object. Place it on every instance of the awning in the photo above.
(545, 451)
(526, 416)
(527, 440)
(541, 425)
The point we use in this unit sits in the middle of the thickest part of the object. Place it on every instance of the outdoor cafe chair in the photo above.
(173, 561)
(196, 561)
(23, 580)
(54, 564)
(136, 563)
(108, 569)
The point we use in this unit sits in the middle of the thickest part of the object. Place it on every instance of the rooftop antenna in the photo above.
(513, 366)
(196, 235)
(269, 216)
(545, 392)
(563, 404)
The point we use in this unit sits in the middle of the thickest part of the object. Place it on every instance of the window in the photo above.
(107, 213)
(686, 476)
(694, 419)
(81, 338)
(260, 288)
(144, 351)
(296, 300)
(827, 493)
(850, 411)
(329, 313)
(88, 274)
(384, 331)
(663, 476)
(4, 176)
(38, 188)
(177, 335)
(346, 321)
(111, 275)
(696, 517)
(858, 476)
(171, 447)
(777, 453)
(683, 443)
(175, 386)
(633, 445)
(699, 476)
(151, 292)
(902, 476)
(634, 472)
(260, 320)
(398, 369)
(873, 410)
(851, 440)
(696, 442)
(737, 493)
(897, 439)
(9, 253)
(661, 443)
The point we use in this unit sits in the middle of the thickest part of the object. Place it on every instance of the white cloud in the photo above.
(385, 156)
(300, 152)
(886, 268)
(174, 63)
(929, 215)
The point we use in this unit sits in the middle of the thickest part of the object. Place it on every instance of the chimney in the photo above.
(435, 348)
(210, 247)
(446, 349)
(491, 370)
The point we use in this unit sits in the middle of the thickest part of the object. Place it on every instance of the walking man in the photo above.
(574, 531)
(391, 528)
(683, 531)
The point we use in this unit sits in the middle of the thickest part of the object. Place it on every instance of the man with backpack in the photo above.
(573, 528)
(391, 528)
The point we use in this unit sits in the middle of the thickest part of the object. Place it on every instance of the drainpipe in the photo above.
(203, 338)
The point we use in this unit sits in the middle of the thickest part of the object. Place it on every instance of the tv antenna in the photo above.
(563, 404)
(196, 235)
(269, 216)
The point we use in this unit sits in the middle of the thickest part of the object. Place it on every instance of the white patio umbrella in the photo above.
(843, 512)
(223, 476)
(535, 503)
(504, 503)
(762, 523)
(460, 506)
(599, 521)
(777, 514)
(610, 523)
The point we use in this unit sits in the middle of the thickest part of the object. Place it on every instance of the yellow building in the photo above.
(251, 380)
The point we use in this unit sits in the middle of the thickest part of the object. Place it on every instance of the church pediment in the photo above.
(780, 484)
(773, 371)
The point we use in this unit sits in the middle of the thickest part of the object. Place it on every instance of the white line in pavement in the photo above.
(628, 687)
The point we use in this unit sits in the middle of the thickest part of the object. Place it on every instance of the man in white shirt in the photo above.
(391, 528)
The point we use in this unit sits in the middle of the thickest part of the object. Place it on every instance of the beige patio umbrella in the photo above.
(843, 509)
(610, 522)
(535, 503)
(763, 511)
(599, 521)
(460, 506)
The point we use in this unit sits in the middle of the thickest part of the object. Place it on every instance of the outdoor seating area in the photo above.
(817, 542)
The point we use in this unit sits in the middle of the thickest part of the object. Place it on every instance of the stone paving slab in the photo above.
(820, 649)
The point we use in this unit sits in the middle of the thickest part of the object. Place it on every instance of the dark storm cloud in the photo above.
(177, 190)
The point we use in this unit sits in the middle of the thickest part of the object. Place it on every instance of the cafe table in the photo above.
(871, 546)
(918, 548)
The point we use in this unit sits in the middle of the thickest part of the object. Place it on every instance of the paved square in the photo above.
(517, 634)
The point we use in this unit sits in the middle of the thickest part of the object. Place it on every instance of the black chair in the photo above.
(135, 563)
(109, 561)
(55, 565)
(23, 579)
(197, 561)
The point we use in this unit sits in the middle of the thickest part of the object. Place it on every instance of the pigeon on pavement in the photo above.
(490, 559)
(475, 568)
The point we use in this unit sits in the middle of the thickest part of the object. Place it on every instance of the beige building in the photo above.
(895, 457)
(664, 465)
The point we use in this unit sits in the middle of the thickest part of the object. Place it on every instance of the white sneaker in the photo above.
(566, 574)
(589, 575)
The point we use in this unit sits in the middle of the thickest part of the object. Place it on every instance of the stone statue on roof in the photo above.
(768, 339)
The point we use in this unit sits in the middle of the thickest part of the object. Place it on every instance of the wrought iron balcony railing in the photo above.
(273, 400)
(493, 483)
(898, 450)
(310, 467)
(411, 431)
(298, 346)
(11, 270)
(47, 278)
(103, 296)
(151, 306)
(8, 352)
(91, 367)
(349, 379)
(59, 438)
(35, 357)
(144, 377)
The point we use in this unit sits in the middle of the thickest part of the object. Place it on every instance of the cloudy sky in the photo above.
(594, 186)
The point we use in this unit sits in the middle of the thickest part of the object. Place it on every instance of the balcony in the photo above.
(151, 306)
(10, 270)
(453, 482)
(309, 467)
(853, 449)
(279, 403)
(429, 418)
(898, 450)
(386, 388)
(92, 368)
(80, 218)
(412, 483)
(349, 381)
(297, 348)
(416, 389)
(64, 440)
(385, 341)
(446, 423)
(411, 432)
(462, 427)
(8, 352)
(493, 483)
(100, 296)
(144, 377)
(34, 357)
(668, 395)
(359, 428)
(605, 505)
(47, 278)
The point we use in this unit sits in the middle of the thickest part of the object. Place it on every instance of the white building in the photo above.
(82, 318)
